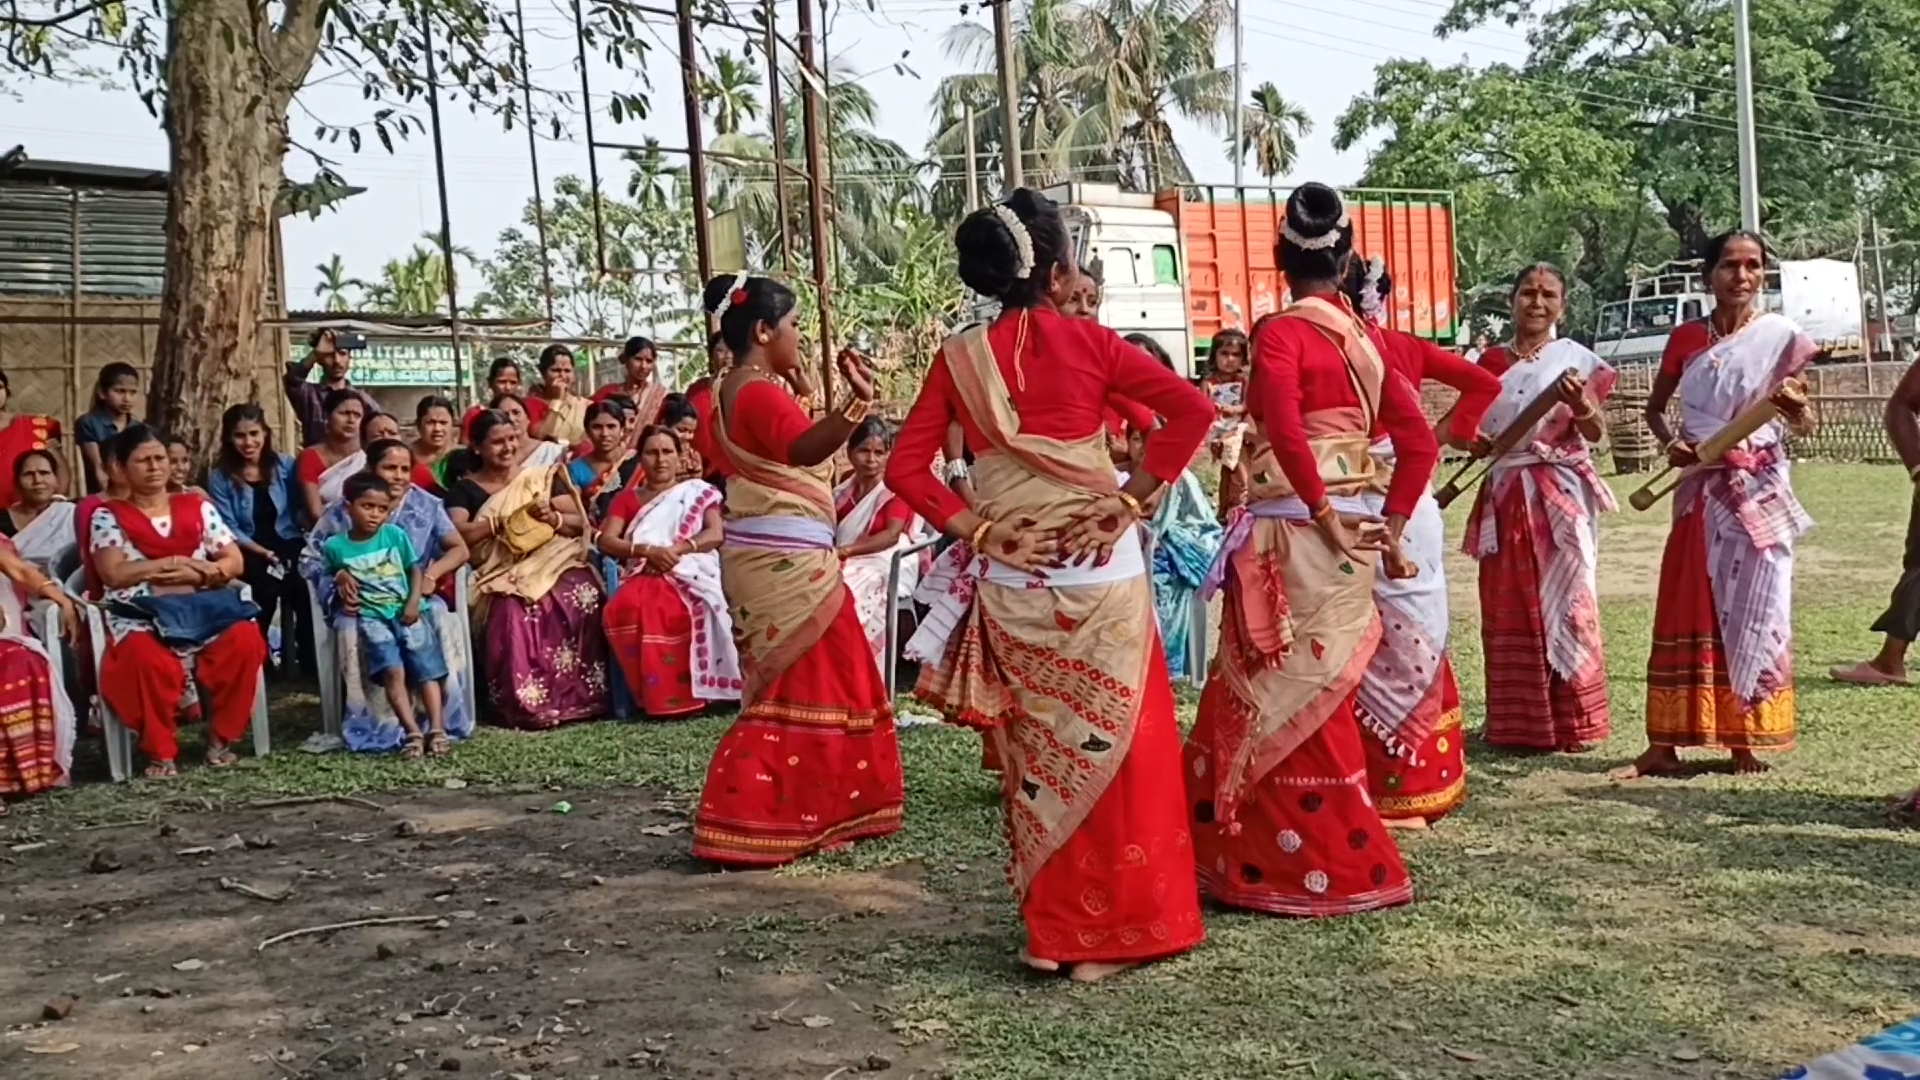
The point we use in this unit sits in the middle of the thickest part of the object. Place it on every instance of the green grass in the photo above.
(1565, 925)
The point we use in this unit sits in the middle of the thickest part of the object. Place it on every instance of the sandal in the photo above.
(411, 749)
(438, 745)
(160, 770)
(221, 757)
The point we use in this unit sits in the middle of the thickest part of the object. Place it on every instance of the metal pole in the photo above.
(446, 217)
(1010, 146)
(1880, 290)
(593, 157)
(1743, 92)
(816, 192)
(533, 158)
(696, 143)
(973, 163)
(1239, 103)
(778, 115)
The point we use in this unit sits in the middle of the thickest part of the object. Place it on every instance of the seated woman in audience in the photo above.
(667, 621)
(40, 522)
(503, 378)
(251, 484)
(37, 721)
(21, 433)
(872, 524)
(370, 724)
(433, 441)
(322, 469)
(181, 468)
(535, 452)
(566, 419)
(598, 470)
(170, 554)
(679, 415)
(113, 486)
(379, 426)
(536, 603)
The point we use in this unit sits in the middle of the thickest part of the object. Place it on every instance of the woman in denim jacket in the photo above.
(252, 486)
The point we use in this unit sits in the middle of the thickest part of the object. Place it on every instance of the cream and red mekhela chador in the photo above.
(1409, 703)
(813, 760)
(1721, 672)
(1276, 765)
(1064, 672)
(1535, 530)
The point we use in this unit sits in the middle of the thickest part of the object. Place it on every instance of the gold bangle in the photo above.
(1133, 505)
(855, 410)
(1325, 512)
(980, 535)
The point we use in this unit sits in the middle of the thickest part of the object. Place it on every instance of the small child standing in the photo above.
(1226, 384)
(378, 575)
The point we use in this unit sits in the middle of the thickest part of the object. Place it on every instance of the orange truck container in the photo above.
(1233, 279)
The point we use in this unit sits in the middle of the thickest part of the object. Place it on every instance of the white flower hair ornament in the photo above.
(736, 294)
(1373, 299)
(1316, 243)
(1022, 239)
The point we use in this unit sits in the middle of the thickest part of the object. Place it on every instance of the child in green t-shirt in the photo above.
(378, 574)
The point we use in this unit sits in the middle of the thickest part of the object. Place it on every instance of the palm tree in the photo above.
(730, 93)
(1100, 84)
(416, 283)
(1272, 129)
(1049, 41)
(1155, 63)
(871, 179)
(334, 284)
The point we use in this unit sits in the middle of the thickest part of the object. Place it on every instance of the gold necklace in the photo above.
(1713, 329)
(1521, 356)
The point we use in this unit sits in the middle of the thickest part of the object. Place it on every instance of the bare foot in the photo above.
(1038, 963)
(1745, 762)
(1093, 973)
(1654, 761)
(1868, 673)
(1411, 824)
(1580, 748)
(1905, 810)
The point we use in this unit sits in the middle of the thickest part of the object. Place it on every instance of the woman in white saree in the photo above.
(41, 523)
(667, 622)
(322, 469)
(873, 525)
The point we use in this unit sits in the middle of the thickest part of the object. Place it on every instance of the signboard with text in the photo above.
(400, 363)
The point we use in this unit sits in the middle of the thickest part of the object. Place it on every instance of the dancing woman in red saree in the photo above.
(1409, 704)
(1277, 773)
(1057, 658)
(1721, 673)
(813, 761)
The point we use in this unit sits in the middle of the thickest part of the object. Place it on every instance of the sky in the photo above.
(1320, 53)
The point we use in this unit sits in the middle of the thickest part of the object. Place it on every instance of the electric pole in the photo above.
(1009, 95)
(1239, 102)
(1743, 92)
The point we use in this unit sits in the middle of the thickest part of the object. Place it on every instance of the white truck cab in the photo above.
(1135, 251)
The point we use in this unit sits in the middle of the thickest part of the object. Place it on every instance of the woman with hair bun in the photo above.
(1535, 529)
(1721, 672)
(1057, 658)
(1283, 821)
(1409, 704)
(812, 762)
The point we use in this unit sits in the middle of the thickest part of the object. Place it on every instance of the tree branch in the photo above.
(55, 20)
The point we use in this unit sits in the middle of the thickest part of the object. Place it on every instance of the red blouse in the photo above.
(896, 512)
(1687, 341)
(309, 466)
(1419, 360)
(705, 442)
(766, 419)
(1074, 370)
(1298, 370)
(1123, 415)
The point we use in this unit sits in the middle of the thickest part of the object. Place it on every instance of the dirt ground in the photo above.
(566, 945)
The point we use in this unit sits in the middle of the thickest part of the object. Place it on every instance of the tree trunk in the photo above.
(226, 112)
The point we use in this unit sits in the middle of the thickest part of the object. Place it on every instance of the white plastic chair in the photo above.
(891, 674)
(333, 684)
(119, 737)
